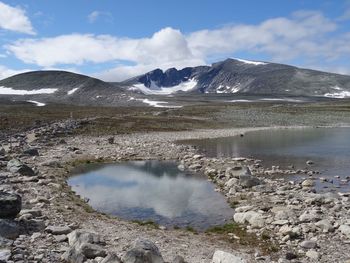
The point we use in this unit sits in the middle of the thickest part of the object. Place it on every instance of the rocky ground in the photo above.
(42, 220)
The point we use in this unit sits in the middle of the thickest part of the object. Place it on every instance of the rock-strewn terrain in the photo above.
(54, 224)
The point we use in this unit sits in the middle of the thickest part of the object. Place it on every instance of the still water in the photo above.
(152, 190)
(328, 148)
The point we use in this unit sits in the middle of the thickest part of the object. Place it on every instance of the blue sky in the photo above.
(114, 40)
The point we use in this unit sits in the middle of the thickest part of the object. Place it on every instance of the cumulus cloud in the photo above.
(6, 72)
(95, 15)
(304, 35)
(15, 19)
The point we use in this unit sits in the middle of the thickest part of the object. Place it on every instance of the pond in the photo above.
(328, 148)
(152, 190)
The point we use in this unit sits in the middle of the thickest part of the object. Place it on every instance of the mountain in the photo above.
(243, 77)
(60, 87)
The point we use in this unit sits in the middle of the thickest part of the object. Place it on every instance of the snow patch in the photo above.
(37, 103)
(11, 91)
(156, 90)
(256, 63)
(227, 89)
(338, 95)
(154, 103)
(70, 92)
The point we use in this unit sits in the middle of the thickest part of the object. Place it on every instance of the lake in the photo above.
(152, 190)
(328, 148)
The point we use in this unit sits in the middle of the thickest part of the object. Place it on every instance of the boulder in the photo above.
(31, 152)
(58, 230)
(246, 180)
(253, 218)
(143, 251)
(9, 229)
(325, 226)
(10, 205)
(111, 258)
(308, 244)
(178, 259)
(224, 257)
(16, 166)
(80, 236)
(2, 151)
(5, 254)
(91, 250)
(345, 230)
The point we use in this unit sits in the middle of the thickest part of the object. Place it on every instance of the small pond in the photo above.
(152, 190)
(328, 148)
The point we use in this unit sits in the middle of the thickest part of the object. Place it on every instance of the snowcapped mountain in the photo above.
(242, 77)
(41, 87)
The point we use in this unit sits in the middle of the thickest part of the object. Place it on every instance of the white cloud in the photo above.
(95, 15)
(7, 72)
(15, 19)
(305, 35)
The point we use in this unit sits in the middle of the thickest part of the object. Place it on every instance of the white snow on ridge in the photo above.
(256, 63)
(227, 89)
(11, 91)
(70, 92)
(37, 103)
(156, 104)
(156, 90)
(338, 95)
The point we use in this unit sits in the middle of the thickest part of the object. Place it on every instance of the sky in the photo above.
(115, 40)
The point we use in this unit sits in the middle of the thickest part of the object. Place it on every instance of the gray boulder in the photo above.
(224, 257)
(143, 251)
(31, 152)
(16, 166)
(10, 205)
(247, 180)
(111, 258)
(178, 259)
(9, 229)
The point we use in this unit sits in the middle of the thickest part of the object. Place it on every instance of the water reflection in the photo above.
(152, 190)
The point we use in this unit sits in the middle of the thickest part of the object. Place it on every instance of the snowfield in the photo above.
(156, 90)
(338, 95)
(256, 63)
(70, 92)
(37, 103)
(11, 91)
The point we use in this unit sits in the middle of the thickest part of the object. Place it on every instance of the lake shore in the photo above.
(284, 214)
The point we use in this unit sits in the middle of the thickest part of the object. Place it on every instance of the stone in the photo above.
(178, 259)
(73, 256)
(309, 216)
(230, 183)
(10, 205)
(280, 222)
(61, 238)
(31, 152)
(253, 218)
(2, 151)
(9, 229)
(34, 212)
(110, 140)
(143, 251)
(58, 230)
(91, 250)
(111, 258)
(290, 256)
(246, 180)
(345, 230)
(80, 236)
(308, 183)
(325, 225)
(313, 254)
(224, 257)
(15, 166)
(5, 254)
(308, 244)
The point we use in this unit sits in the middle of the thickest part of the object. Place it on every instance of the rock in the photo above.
(251, 217)
(10, 205)
(5, 254)
(81, 236)
(224, 257)
(313, 254)
(308, 244)
(15, 166)
(345, 230)
(2, 152)
(325, 225)
(309, 216)
(31, 152)
(111, 258)
(230, 183)
(280, 222)
(72, 255)
(34, 212)
(143, 251)
(110, 140)
(309, 162)
(246, 180)
(178, 259)
(61, 238)
(58, 230)
(91, 250)
(291, 255)
(9, 229)
(308, 183)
